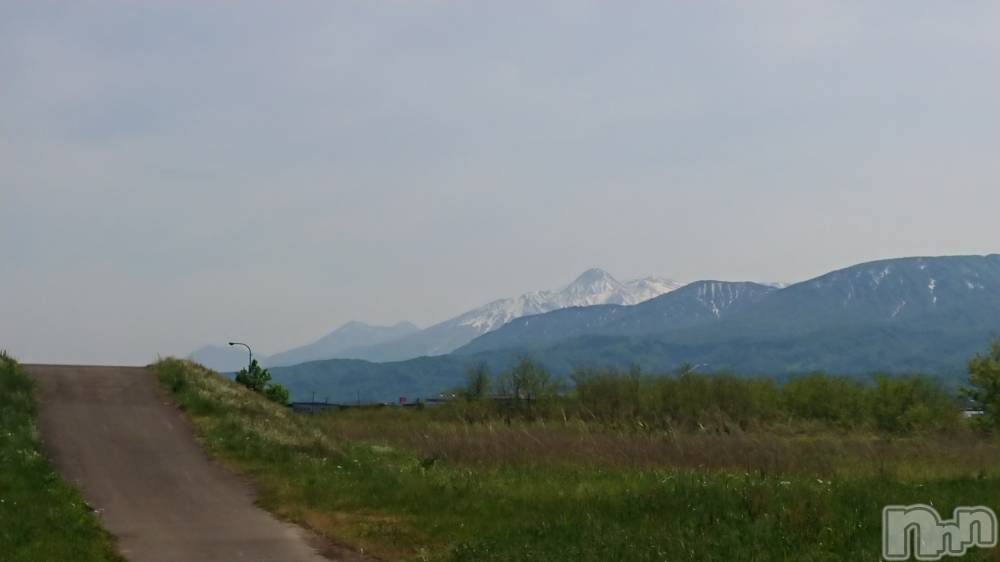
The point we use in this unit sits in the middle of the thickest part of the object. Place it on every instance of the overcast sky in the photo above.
(179, 173)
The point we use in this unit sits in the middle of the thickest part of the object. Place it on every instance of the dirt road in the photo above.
(111, 432)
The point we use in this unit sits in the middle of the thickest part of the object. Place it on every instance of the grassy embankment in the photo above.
(42, 518)
(415, 485)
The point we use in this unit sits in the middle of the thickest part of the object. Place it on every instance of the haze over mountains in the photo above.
(357, 340)
(924, 314)
(342, 340)
(224, 358)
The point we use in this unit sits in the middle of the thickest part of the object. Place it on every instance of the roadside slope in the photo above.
(41, 517)
(109, 431)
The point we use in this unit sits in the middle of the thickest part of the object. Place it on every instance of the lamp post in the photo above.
(250, 364)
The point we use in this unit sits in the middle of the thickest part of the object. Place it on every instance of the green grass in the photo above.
(42, 519)
(397, 483)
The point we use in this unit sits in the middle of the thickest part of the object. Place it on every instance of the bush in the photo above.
(690, 400)
(609, 396)
(911, 403)
(821, 397)
(984, 386)
(277, 393)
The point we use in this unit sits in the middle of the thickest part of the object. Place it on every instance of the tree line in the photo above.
(689, 400)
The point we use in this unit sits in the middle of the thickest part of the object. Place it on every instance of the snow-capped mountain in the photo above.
(592, 287)
(701, 302)
(641, 290)
(901, 290)
(919, 293)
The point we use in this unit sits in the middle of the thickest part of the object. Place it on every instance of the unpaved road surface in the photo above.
(112, 433)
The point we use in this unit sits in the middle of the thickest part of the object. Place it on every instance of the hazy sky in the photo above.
(179, 173)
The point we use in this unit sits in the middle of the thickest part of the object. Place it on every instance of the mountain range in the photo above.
(357, 340)
(342, 340)
(592, 287)
(695, 304)
(922, 314)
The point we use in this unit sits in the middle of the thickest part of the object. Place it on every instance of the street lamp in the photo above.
(249, 365)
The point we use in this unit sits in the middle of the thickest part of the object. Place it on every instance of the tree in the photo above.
(478, 382)
(255, 378)
(525, 384)
(530, 381)
(258, 380)
(984, 385)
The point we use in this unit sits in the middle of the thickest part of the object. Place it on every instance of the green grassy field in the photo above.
(42, 519)
(408, 485)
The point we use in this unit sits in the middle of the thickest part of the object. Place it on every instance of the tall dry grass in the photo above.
(823, 452)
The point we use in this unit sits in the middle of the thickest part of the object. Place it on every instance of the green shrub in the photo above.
(609, 396)
(836, 400)
(277, 393)
(255, 378)
(258, 380)
(984, 387)
(911, 403)
(723, 402)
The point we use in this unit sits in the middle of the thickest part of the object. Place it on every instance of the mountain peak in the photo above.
(594, 286)
(592, 276)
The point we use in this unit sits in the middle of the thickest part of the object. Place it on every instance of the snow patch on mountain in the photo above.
(879, 276)
(718, 296)
(647, 288)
